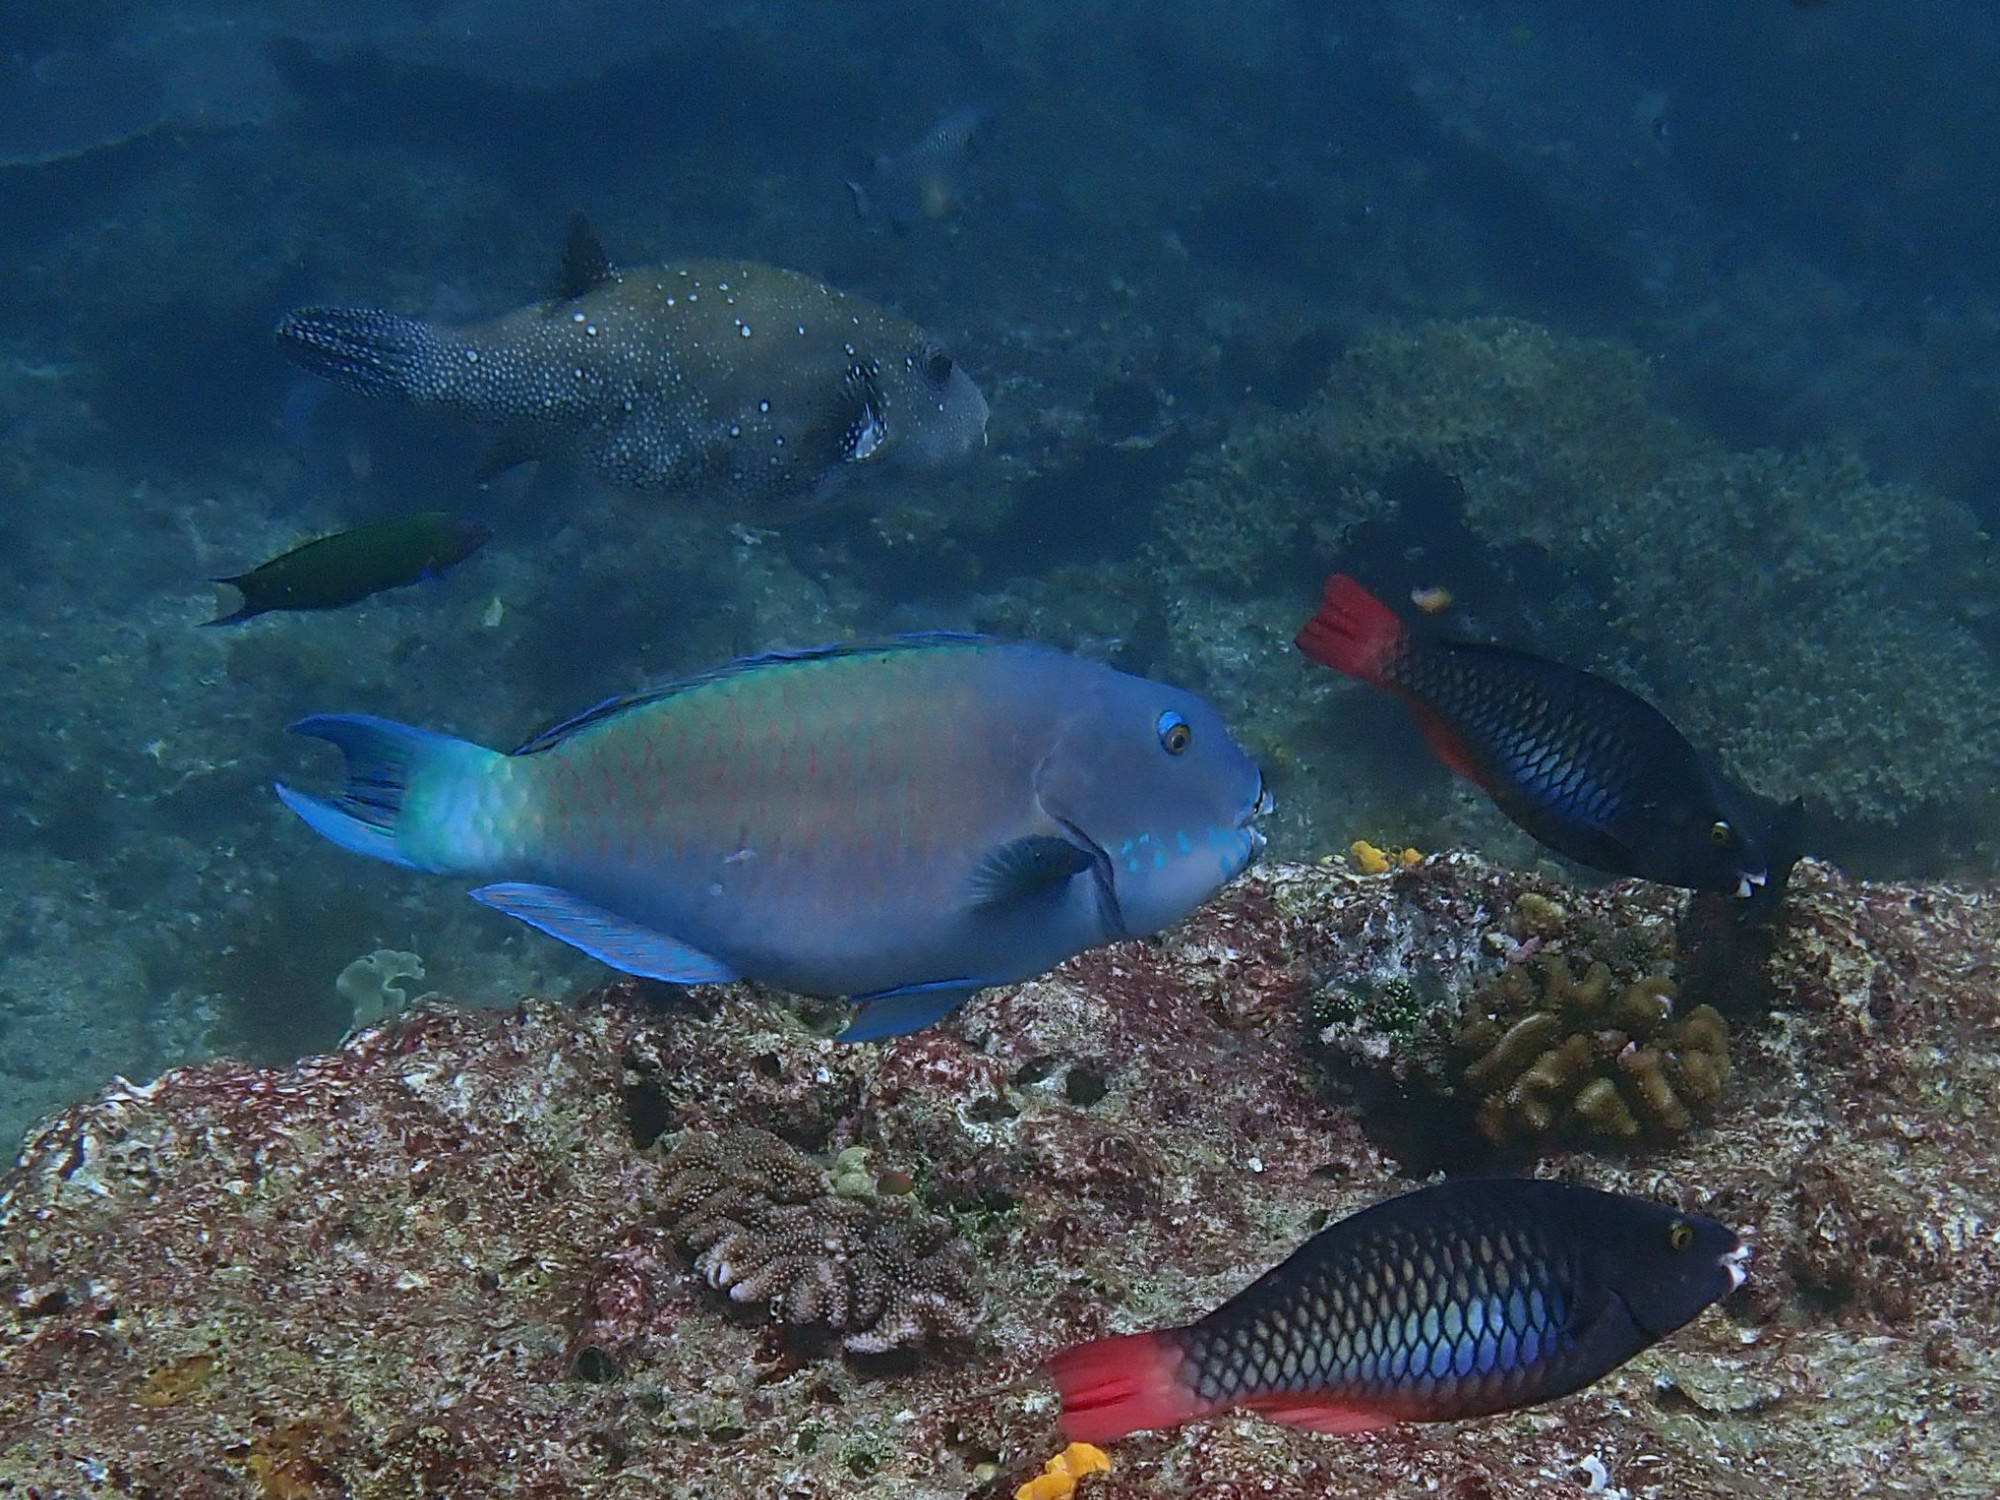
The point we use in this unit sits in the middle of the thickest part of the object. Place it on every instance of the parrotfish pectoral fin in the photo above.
(1319, 1415)
(383, 759)
(604, 935)
(1122, 1385)
(1027, 867)
(898, 1012)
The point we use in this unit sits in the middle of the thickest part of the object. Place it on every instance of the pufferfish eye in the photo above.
(1175, 733)
(1721, 834)
(1680, 1234)
(936, 365)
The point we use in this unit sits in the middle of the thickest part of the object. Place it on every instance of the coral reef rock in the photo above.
(446, 1258)
(1547, 1053)
(765, 1226)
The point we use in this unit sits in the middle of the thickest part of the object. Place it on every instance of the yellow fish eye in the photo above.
(1721, 834)
(1680, 1233)
(1175, 733)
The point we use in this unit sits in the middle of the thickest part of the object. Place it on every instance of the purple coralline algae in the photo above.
(461, 1255)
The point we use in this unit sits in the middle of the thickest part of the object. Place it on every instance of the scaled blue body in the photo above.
(901, 823)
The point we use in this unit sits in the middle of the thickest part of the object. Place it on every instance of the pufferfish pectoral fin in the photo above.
(604, 935)
(910, 1008)
(1027, 867)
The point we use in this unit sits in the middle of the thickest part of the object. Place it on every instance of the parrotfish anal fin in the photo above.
(1320, 1415)
(1027, 867)
(605, 936)
(913, 1007)
(585, 266)
(1448, 747)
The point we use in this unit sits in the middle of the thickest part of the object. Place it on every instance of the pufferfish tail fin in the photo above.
(390, 766)
(367, 350)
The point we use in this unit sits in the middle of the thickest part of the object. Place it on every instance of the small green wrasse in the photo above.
(1458, 1300)
(347, 567)
(900, 823)
(722, 379)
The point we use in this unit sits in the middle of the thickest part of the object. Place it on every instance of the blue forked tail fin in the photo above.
(384, 759)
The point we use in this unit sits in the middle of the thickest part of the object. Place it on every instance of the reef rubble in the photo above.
(438, 1261)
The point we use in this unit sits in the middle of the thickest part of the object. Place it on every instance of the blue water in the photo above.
(1255, 292)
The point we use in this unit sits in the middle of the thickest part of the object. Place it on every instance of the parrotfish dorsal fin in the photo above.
(585, 266)
(610, 708)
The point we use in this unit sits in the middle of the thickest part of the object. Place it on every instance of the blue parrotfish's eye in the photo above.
(1175, 734)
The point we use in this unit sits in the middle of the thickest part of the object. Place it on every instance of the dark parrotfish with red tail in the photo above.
(899, 823)
(1454, 1301)
(1591, 770)
(725, 380)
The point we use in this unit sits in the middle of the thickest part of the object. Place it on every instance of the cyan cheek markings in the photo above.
(1132, 850)
(1231, 847)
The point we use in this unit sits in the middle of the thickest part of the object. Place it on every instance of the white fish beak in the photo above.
(1737, 1262)
(1749, 885)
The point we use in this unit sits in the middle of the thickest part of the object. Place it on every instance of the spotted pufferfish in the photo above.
(725, 380)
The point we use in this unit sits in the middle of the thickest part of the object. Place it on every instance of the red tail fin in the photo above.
(1122, 1385)
(1354, 632)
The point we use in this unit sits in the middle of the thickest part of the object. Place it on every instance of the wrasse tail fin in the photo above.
(1354, 633)
(383, 759)
(376, 353)
(1122, 1385)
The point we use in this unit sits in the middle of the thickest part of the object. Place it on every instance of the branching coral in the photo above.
(1546, 1054)
(764, 1224)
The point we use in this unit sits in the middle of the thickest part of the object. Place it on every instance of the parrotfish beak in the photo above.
(1737, 1263)
(1267, 802)
(1748, 885)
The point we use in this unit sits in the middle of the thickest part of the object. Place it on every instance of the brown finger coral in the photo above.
(763, 1224)
(1546, 1054)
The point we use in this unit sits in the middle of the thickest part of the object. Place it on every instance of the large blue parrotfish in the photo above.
(725, 380)
(900, 823)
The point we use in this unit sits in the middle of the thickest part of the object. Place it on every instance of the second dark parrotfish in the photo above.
(1591, 770)
(331, 572)
(1458, 1300)
(726, 380)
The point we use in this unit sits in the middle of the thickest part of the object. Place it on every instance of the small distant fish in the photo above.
(347, 567)
(902, 823)
(1432, 601)
(923, 181)
(1591, 770)
(1459, 1300)
(723, 379)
